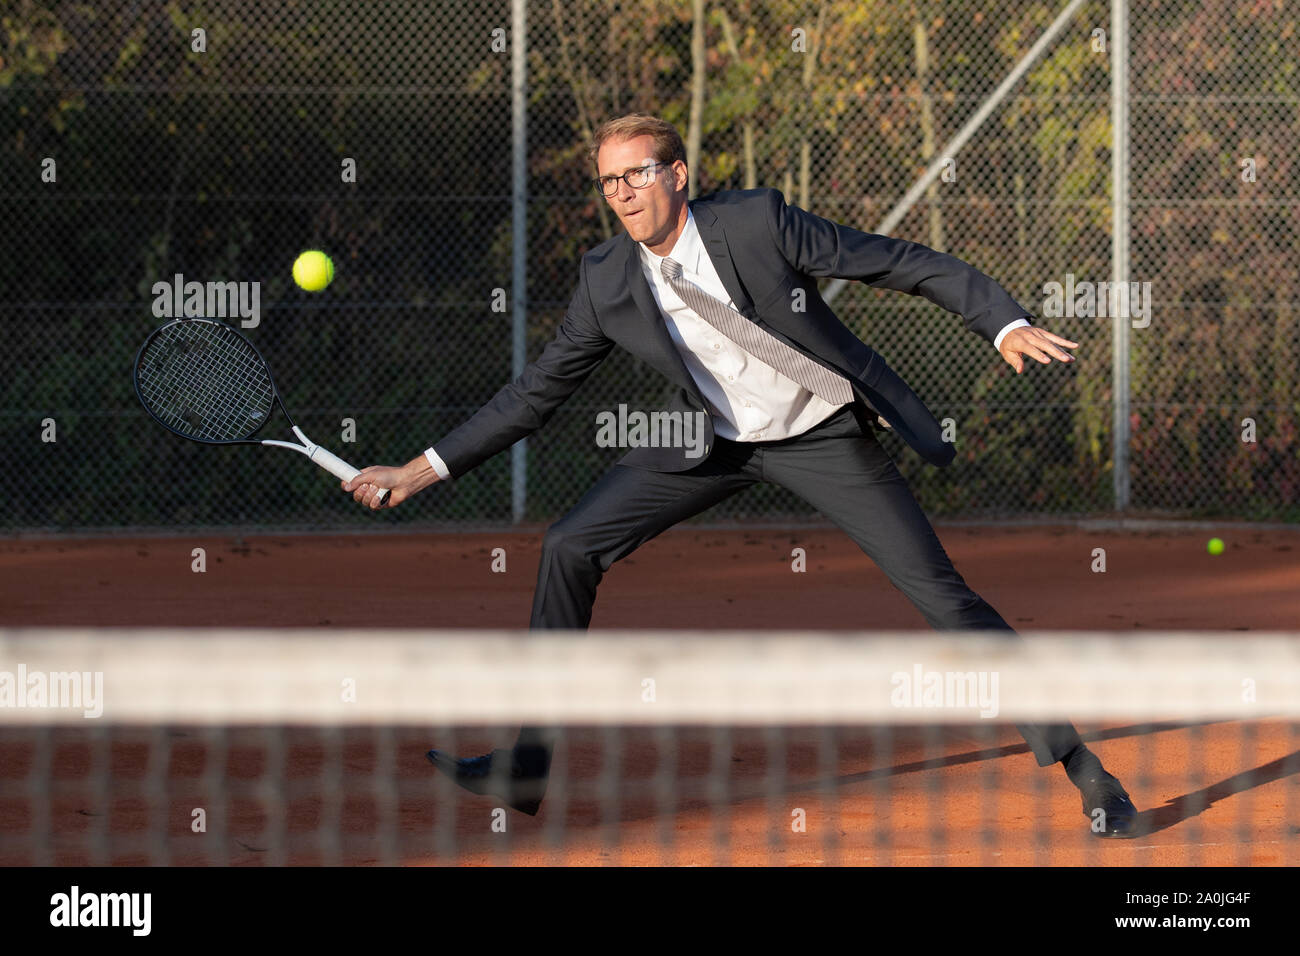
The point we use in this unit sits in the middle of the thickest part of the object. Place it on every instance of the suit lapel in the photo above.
(657, 347)
(715, 241)
(715, 244)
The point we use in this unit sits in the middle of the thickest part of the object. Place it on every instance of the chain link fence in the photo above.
(129, 156)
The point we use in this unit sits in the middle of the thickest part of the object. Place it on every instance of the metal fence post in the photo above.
(1119, 245)
(519, 245)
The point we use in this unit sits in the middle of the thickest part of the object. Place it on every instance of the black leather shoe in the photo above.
(496, 774)
(1118, 815)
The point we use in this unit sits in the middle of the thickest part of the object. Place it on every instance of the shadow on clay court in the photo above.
(1180, 808)
(993, 753)
(1174, 812)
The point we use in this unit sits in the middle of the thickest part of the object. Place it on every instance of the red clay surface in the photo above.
(1223, 793)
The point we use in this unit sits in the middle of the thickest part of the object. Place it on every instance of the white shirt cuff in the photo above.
(437, 463)
(1018, 324)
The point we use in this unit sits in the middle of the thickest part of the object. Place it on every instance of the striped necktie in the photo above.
(821, 381)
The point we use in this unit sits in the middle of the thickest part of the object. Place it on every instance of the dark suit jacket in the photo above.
(762, 249)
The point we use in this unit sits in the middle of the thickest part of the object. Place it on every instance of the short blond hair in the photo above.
(668, 145)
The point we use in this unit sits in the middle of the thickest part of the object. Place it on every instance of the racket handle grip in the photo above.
(339, 468)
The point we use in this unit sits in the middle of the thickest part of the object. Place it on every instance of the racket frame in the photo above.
(315, 453)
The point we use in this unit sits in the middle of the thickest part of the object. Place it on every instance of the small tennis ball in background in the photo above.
(313, 270)
(1214, 546)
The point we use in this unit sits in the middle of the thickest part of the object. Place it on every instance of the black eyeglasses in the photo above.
(636, 178)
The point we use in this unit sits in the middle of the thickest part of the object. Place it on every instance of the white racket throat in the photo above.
(331, 462)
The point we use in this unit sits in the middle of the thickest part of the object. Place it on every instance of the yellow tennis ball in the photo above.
(1214, 546)
(313, 270)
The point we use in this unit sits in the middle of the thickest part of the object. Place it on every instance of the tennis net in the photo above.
(191, 747)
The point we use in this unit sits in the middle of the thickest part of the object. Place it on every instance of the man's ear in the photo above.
(683, 176)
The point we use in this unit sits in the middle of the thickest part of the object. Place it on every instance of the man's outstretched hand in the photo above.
(415, 475)
(1035, 343)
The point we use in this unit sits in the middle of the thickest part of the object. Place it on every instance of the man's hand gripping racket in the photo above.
(367, 487)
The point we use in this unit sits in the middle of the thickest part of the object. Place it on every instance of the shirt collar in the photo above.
(686, 251)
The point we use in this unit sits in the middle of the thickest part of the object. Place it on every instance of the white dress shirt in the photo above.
(749, 400)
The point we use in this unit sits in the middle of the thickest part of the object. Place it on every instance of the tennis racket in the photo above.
(203, 380)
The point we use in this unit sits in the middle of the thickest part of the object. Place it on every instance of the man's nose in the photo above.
(625, 192)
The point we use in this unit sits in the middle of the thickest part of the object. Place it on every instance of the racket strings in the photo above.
(204, 381)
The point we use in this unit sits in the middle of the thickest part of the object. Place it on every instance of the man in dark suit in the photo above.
(720, 295)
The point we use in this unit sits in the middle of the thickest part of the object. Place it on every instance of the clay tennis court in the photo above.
(1219, 793)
